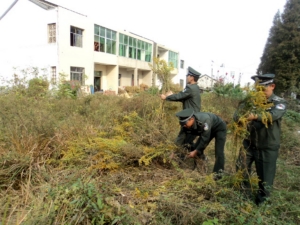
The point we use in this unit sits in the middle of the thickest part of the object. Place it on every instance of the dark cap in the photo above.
(193, 72)
(185, 115)
(264, 79)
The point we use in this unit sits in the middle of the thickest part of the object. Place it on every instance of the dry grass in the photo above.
(105, 160)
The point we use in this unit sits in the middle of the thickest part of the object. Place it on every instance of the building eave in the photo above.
(44, 4)
(205, 75)
(49, 5)
(9, 8)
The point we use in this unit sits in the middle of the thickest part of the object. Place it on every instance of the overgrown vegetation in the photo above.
(163, 71)
(105, 160)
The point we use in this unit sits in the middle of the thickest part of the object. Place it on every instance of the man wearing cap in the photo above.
(190, 98)
(262, 145)
(207, 126)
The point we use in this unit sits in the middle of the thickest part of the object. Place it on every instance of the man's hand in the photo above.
(163, 97)
(192, 154)
(169, 93)
(252, 117)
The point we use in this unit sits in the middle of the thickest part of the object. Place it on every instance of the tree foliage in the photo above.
(282, 50)
(163, 71)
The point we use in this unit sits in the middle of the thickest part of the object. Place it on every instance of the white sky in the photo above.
(229, 32)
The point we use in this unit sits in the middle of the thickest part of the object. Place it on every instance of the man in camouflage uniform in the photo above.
(262, 145)
(190, 98)
(206, 126)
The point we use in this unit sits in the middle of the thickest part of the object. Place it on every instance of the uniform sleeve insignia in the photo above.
(280, 106)
(276, 98)
(205, 126)
(184, 90)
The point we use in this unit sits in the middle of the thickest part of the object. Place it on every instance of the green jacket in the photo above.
(205, 125)
(190, 97)
(262, 136)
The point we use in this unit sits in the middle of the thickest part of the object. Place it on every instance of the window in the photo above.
(148, 49)
(52, 33)
(173, 57)
(119, 80)
(104, 40)
(123, 40)
(76, 37)
(182, 64)
(77, 73)
(53, 74)
(134, 48)
(181, 83)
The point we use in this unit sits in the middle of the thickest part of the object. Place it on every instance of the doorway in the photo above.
(97, 80)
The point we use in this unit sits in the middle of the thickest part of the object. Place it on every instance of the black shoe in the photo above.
(219, 175)
(259, 200)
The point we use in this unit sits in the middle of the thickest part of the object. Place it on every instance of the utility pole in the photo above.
(212, 68)
(240, 75)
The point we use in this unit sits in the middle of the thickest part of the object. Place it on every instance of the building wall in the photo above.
(71, 56)
(206, 82)
(21, 47)
(86, 56)
(125, 76)
(28, 31)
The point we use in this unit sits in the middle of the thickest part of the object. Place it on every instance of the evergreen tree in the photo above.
(282, 51)
(268, 58)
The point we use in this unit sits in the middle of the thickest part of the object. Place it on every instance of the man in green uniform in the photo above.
(207, 126)
(190, 98)
(262, 145)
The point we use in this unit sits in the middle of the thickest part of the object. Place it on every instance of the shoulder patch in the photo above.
(184, 90)
(205, 126)
(280, 106)
(276, 98)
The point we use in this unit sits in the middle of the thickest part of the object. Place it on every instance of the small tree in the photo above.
(38, 87)
(163, 71)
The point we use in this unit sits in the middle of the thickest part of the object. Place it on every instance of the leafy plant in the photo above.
(38, 87)
(163, 71)
(79, 203)
(229, 90)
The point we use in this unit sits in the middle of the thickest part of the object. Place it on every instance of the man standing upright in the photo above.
(190, 98)
(262, 144)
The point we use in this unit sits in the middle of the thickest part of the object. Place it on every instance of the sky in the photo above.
(207, 33)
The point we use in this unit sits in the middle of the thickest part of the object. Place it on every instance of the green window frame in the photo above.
(173, 57)
(134, 48)
(104, 40)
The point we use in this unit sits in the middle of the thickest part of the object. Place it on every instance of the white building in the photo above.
(206, 82)
(61, 41)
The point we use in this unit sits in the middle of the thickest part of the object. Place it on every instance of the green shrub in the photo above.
(292, 116)
(229, 90)
(153, 90)
(37, 87)
(66, 90)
